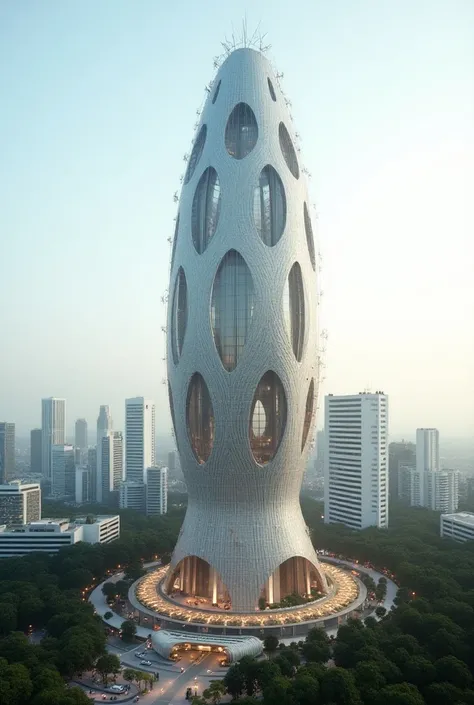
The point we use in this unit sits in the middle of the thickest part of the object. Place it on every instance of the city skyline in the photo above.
(390, 150)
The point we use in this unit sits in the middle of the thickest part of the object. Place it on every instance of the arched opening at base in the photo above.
(295, 582)
(198, 583)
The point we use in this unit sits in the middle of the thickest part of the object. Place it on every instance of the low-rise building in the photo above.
(458, 526)
(50, 535)
(20, 503)
(132, 495)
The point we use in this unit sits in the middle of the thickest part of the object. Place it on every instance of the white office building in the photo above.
(104, 427)
(156, 491)
(427, 449)
(111, 464)
(442, 490)
(63, 471)
(50, 535)
(53, 429)
(83, 493)
(356, 460)
(132, 495)
(81, 435)
(20, 503)
(139, 438)
(458, 526)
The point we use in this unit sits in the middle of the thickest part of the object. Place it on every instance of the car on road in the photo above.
(145, 663)
(117, 689)
(140, 654)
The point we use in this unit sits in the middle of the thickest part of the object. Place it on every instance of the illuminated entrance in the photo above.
(169, 643)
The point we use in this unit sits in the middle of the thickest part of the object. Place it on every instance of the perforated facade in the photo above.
(242, 347)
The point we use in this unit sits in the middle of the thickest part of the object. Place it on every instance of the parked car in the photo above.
(117, 689)
(145, 663)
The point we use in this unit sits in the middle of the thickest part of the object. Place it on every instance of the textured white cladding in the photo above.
(427, 449)
(243, 518)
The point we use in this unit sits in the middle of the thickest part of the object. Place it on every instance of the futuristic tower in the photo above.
(242, 347)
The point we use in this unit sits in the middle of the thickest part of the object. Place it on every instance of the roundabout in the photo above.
(192, 613)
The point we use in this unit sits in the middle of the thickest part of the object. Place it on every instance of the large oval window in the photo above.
(200, 419)
(216, 93)
(196, 153)
(170, 399)
(309, 236)
(267, 418)
(269, 206)
(241, 132)
(179, 315)
(206, 209)
(294, 310)
(308, 414)
(232, 307)
(288, 151)
(271, 89)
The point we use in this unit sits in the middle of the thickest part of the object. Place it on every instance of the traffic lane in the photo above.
(175, 692)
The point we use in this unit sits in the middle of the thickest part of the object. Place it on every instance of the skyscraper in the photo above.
(104, 427)
(139, 438)
(111, 463)
(53, 427)
(156, 491)
(242, 346)
(63, 467)
(81, 437)
(427, 449)
(20, 503)
(7, 451)
(36, 456)
(356, 463)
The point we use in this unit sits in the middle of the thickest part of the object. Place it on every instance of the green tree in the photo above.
(304, 690)
(122, 587)
(110, 590)
(129, 674)
(338, 687)
(234, 681)
(8, 618)
(367, 674)
(454, 671)
(380, 611)
(129, 629)
(108, 615)
(215, 692)
(270, 643)
(107, 665)
(400, 694)
(278, 691)
(419, 671)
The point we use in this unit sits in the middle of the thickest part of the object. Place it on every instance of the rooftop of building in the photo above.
(57, 524)
(18, 486)
(465, 517)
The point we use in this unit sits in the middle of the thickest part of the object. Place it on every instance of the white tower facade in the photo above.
(356, 460)
(53, 429)
(139, 438)
(156, 491)
(104, 428)
(111, 464)
(427, 449)
(242, 346)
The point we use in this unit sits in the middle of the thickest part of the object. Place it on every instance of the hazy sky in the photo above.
(98, 102)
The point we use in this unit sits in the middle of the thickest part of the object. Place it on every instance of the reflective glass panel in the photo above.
(288, 151)
(293, 304)
(206, 209)
(200, 419)
(170, 399)
(241, 132)
(175, 239)
(269, 206)
(309, 236)
(267, 418)
(179, 315)
(308, 414)
(196, 153)
(232, 307)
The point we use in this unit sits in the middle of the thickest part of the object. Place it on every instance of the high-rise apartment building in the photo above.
(156, 491)
(427, 449)
(111, 463)
(36, 456)
(104, 427)
(442, 490)
(132, 495)
(53, 426)
(400, 454)
(92, 468)
(81, 435)
(63, 471)
(7, 451)
(19, 503)
(83, 485)
(171, 461)
(356, 463)
(139, 438)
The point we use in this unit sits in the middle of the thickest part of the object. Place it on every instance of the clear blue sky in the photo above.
(98, 103)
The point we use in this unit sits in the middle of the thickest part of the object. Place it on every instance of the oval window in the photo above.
(308, 414)
(196, 153)
(267, 418)
(216, 92)
(309, 236)
(179, 315)
(170, 399)
(269, 206)
(241, 132)
(271, 89)
(200, 419)
(294, 310)
(232, 307)
(206, 209)
(288, 151)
